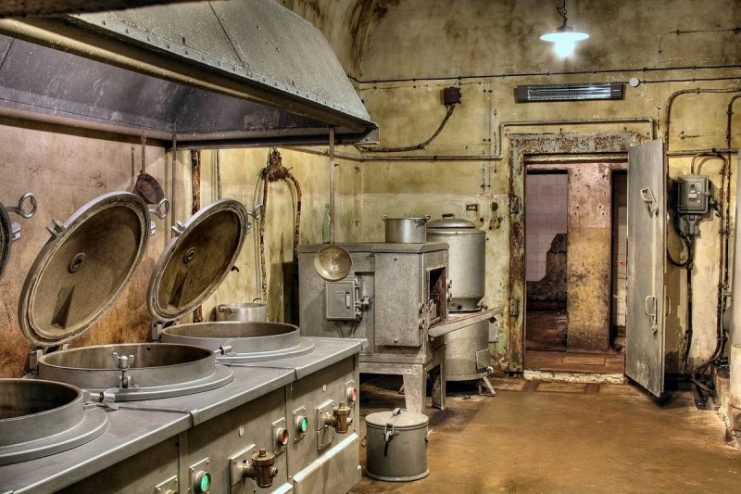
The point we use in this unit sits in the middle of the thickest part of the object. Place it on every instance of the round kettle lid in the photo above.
(450, 221)
(81, 270)
(197, 259)
(6, 237)
(400, 418)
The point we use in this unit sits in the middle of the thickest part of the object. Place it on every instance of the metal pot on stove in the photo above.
(246, 312)
(406, 230)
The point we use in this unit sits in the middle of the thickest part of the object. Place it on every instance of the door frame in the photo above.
(522, 149)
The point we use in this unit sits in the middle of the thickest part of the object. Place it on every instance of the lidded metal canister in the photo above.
(397, 445)
(466, 260)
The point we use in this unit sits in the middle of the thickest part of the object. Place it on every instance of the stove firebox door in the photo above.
(400, 293)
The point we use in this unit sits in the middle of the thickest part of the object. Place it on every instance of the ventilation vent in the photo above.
(569, 92)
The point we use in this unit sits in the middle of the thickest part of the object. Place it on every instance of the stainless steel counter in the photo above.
(136, 427)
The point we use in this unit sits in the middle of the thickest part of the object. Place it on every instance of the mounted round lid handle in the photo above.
(27, 206)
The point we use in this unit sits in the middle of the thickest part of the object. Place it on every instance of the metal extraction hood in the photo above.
(207, 74)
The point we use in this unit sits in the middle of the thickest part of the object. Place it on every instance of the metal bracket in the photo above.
(324, 433)
(169, 486)
(237, 462)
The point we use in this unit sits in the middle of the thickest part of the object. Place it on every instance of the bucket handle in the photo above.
(226, 308)
(427, 435)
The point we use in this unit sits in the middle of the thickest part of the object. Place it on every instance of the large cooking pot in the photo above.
(397, 445)
(406, 230)
(247, 312)
(466, 260)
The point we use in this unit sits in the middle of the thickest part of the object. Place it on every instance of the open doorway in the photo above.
(576, 225)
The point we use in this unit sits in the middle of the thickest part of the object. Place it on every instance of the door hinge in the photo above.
(514, 307)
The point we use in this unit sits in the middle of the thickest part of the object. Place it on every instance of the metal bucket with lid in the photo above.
(397, 445)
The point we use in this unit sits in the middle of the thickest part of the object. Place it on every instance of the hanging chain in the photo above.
(562, 10)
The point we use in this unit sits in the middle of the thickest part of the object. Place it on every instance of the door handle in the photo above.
(648, 197)
(649, 305)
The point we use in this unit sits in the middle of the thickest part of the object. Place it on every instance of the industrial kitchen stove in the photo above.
(392, 295)
(253, 408)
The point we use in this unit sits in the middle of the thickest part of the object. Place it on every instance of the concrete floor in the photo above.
(566, 438)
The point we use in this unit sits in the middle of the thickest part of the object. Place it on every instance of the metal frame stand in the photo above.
(414, 370)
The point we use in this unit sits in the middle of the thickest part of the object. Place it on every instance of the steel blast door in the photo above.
(644, 356)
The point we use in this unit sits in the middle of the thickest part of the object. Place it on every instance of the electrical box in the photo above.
(693, 194)
(340, 300)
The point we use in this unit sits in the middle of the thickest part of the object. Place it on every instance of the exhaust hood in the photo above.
(207, 74)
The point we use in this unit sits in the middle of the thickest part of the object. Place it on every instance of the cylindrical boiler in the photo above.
(466, 266)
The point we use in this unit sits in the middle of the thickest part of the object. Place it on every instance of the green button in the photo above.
(304, 425)
(205, 482)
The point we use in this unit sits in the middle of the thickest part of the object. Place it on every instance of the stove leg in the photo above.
(415, 389)
(439, 388)
(486, 388)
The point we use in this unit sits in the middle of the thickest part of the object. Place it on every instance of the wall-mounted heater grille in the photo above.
(569, 92)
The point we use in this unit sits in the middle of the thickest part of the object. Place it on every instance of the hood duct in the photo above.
(208, 74)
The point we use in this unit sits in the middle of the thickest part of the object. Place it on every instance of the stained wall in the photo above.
(415, 48)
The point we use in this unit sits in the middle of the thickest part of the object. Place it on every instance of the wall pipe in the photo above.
(676, 94)
(195, 167)
(332, 233)
(542, 73)
(729, 121)
(500, 148)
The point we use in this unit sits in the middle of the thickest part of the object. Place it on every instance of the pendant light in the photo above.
(564, 38)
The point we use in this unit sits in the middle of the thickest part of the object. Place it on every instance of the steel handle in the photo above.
(258, 212)
(162, 209)
(448, 215)
(21, 209)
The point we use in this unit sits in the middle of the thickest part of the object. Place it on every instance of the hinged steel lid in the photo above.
(6, 237)
(400, 419)
(84, 266)
(197, 259)
(450, 221)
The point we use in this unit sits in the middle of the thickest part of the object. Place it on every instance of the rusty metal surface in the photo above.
(6, 238)
(21, 8)
(522, 146)
(645, 318)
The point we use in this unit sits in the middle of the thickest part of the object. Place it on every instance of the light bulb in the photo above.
(564, 41)
(564, 48)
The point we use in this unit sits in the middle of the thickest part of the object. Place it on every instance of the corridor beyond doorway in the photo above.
(575, 267)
